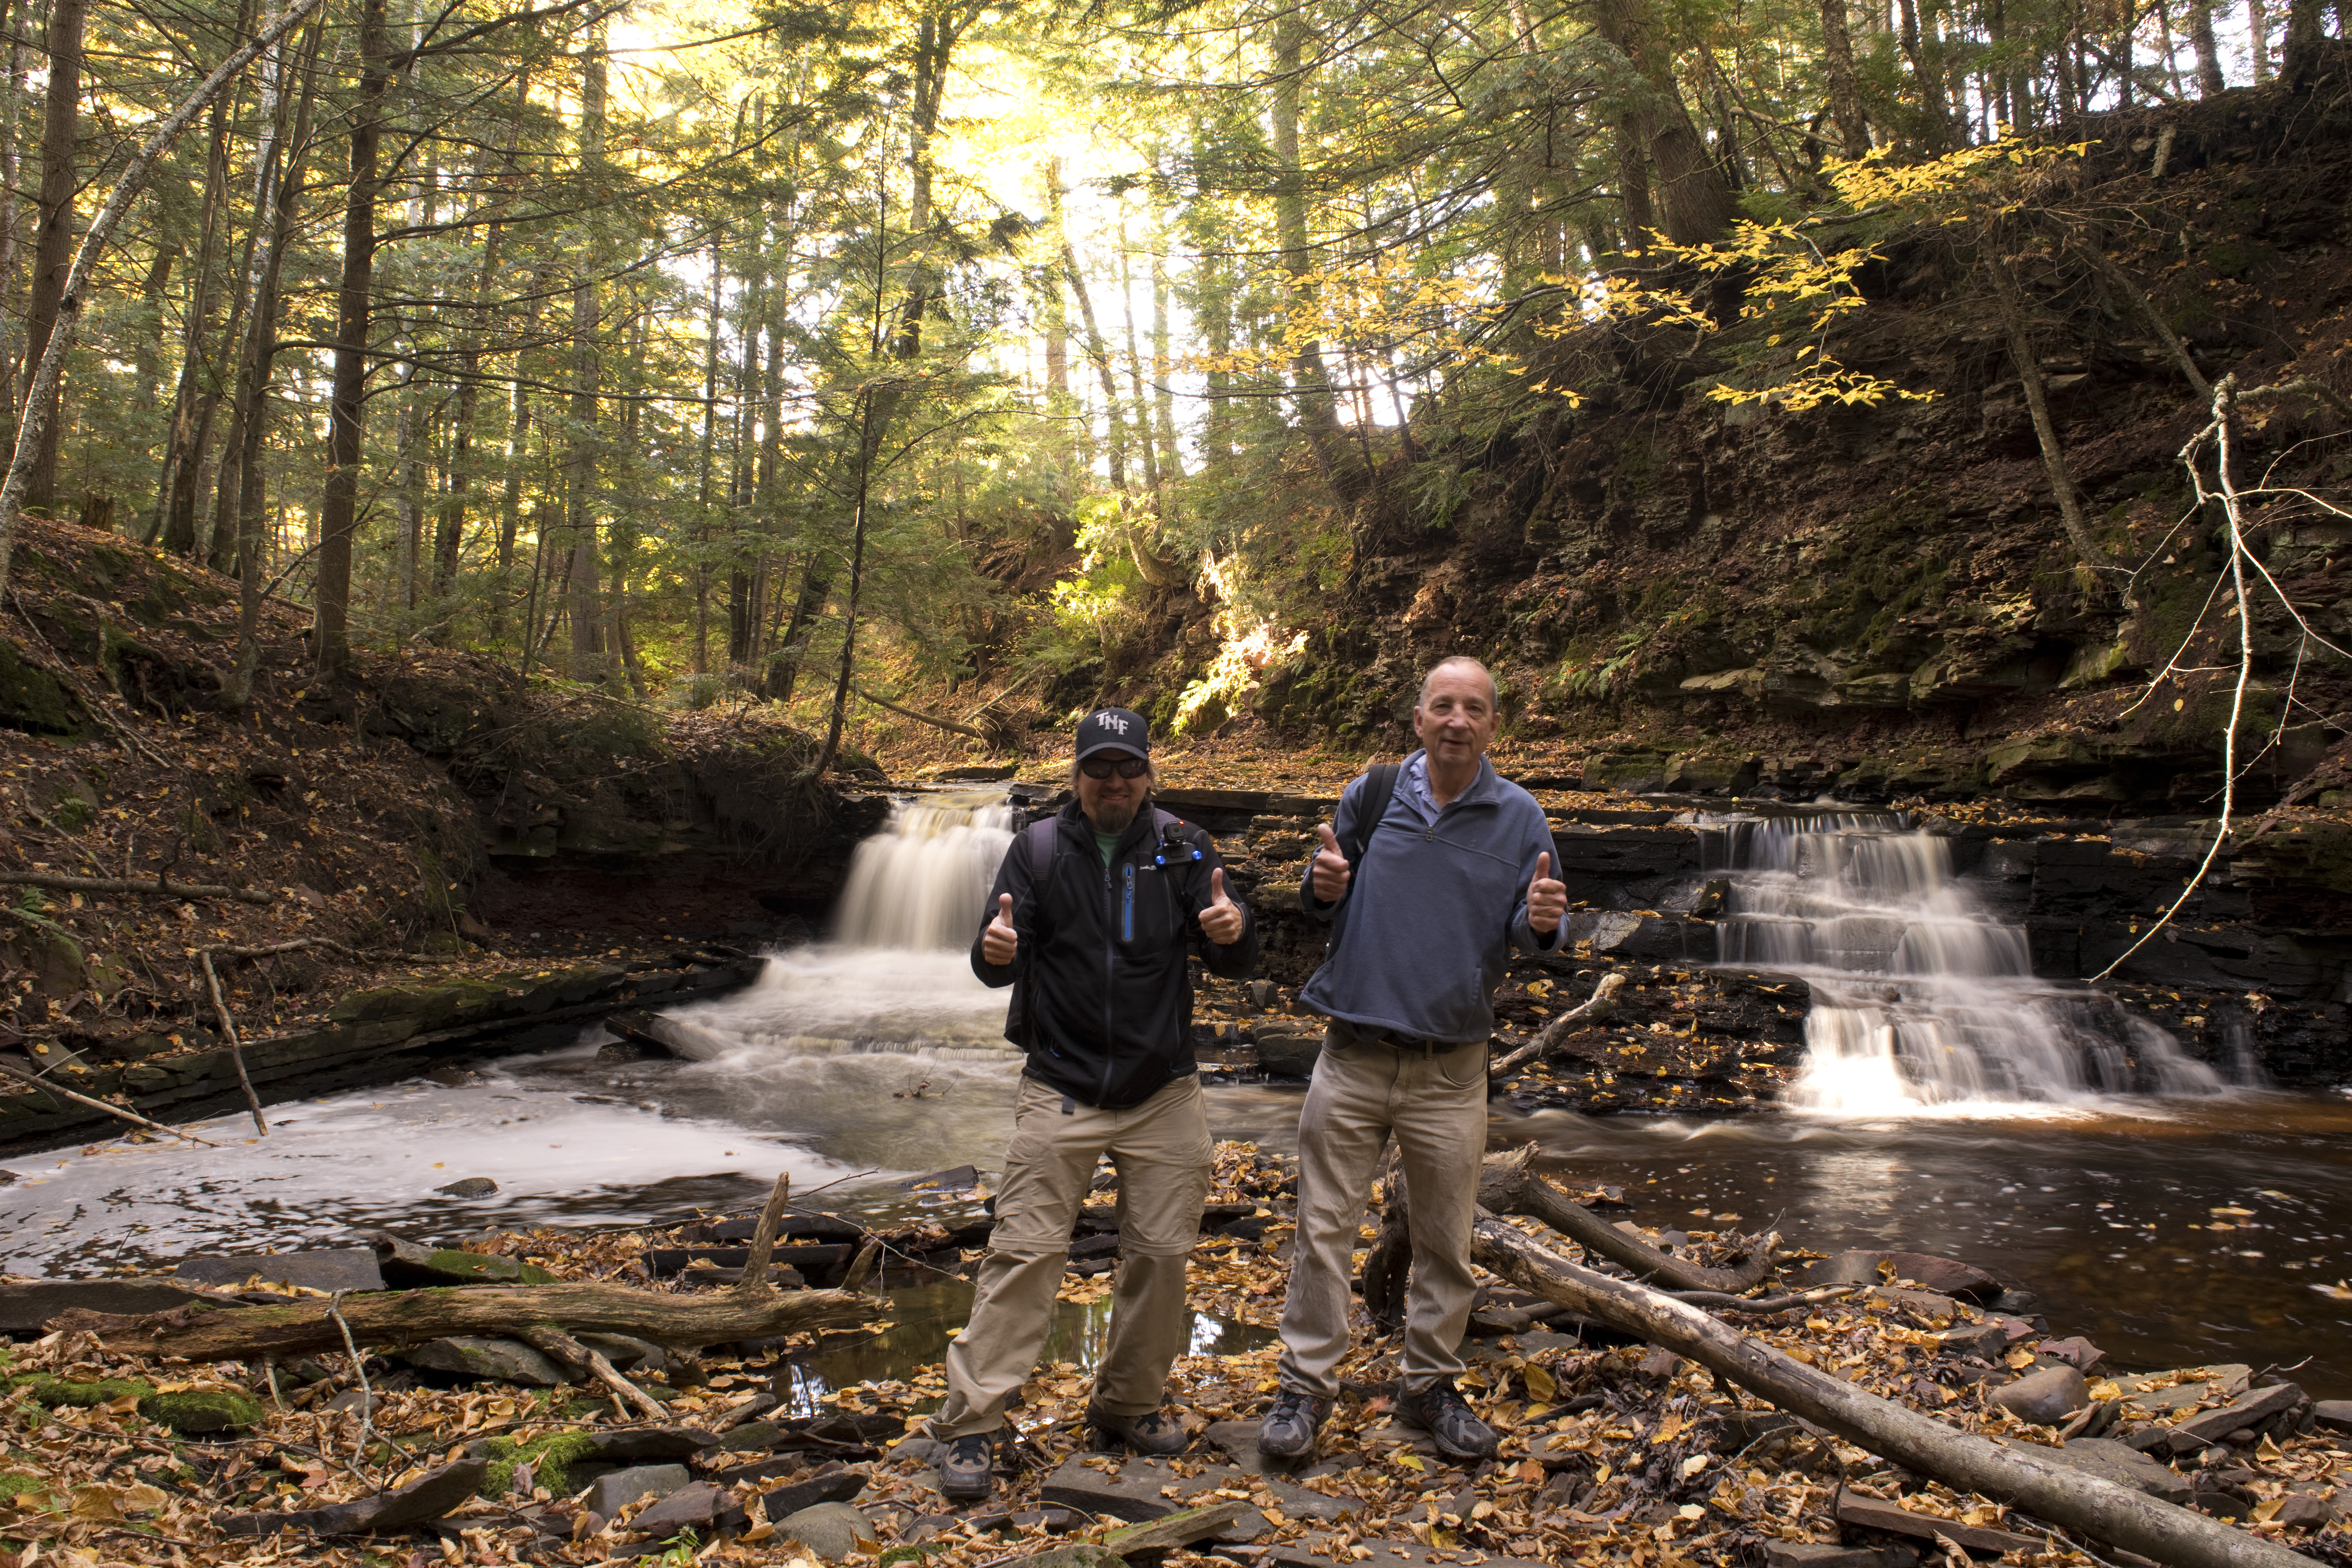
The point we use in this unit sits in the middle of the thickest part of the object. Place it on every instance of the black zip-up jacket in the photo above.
(1102, 1000)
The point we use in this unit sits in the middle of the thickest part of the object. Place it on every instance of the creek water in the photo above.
(1953, 1104)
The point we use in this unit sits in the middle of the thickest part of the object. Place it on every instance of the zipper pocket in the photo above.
(1127, 908)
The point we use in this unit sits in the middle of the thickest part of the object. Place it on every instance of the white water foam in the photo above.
(1923, 1002)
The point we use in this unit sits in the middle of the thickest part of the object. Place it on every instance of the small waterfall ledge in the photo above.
(1922, 999)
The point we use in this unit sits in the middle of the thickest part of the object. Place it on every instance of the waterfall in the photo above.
(921, 882)
(894, 983)
(1921, 996)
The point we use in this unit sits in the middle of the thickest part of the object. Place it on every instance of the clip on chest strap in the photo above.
(1070, 1106)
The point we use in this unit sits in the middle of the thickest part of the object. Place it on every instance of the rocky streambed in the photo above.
(489, 1447)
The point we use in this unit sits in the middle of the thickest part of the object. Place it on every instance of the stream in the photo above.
(2171, 1228)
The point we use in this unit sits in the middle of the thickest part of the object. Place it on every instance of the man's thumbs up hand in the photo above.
(1546, 898)
(1330, 875)
(1221, 923)
(1000, 941)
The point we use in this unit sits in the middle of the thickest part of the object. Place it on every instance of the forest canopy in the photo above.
(706, 352)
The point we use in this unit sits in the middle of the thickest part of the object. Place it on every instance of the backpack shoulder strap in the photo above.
(1380, 788)
(1041, 849)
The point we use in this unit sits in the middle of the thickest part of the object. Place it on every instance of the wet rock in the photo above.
(2251, 1411)
(407, 1264)
(1945, 1276)
(482, 1356)
(952, 1181)
(1289, 1053)
(422, 1500)
(2116, 1462)
(26, 1305)
(829, 1486)
(830, 1530)
(353, 1401)
(2046, 1397)
(1134, 1492)
(202, 1411)
(328, 1269)
(470, 1187)
(2188, 1387)
(1869, 1513)
(614, 1492)
(626, 1352)
(1927, 1304)
(698, 1506)
(2335, 1415)
(640, 1445)
(1983, 1341)
(1076, 1554)
(2076, 1352)
(2303, 1512)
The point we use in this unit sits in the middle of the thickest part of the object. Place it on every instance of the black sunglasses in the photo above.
(1126, 767)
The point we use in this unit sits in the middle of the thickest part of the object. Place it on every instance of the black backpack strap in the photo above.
(1380, 788)
(1041, 836)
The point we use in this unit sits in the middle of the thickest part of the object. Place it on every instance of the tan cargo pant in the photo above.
(1434, 1105)
(1161, 1150)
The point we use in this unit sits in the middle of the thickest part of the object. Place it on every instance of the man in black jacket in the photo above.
(1091, 920)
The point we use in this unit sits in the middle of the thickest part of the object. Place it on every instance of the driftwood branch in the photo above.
(2119, 1515)
(932, 719)
(163, 887)
(764, 1239)
(412, 1317)
(1508, 1183)
(555, 1343)
(46, 1087)
(236, 1046)
(1591, 1010)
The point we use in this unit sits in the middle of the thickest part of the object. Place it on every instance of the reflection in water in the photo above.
(2110, 1219)
(924, 1318)
(1921, 999)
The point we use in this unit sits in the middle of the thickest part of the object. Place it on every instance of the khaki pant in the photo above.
(1162, 1152)
(1434, 1105)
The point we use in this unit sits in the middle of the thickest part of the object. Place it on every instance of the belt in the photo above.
(1403, 1042)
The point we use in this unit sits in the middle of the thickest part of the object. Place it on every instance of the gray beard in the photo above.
(1110, 819)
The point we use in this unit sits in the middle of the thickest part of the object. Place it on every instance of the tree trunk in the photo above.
(1633, 182)
(581, 464)
(2258, 40)
(2119, 1515)
(2209, 56)
(1311, 382)
(346, 410)
(1693, 199)
(1098, 352)
(41, 400)
(1845, 91)
(2299, 60)
(11, 97)
(511, 500)
(2037, 402)
(53, 243)
(1508, 1183)
(390, 1317)
(702, 498)
(871, 426)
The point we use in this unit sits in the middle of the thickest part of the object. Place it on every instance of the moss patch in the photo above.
(202, 1411)
(52, 1392)
(549, 1456)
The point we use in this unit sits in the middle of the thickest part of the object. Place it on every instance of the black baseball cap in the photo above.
(1113, 730)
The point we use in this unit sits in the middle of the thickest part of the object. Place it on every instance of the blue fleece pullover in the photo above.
(1427, 921)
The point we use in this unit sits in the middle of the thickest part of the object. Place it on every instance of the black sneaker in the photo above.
(1153, 1432)
(1439, 1409)
(967, 1467)
(1288, 1432)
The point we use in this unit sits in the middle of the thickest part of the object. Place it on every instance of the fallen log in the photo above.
(1591, 1010)
(1508, 1183)
(118, 1112)
(554, 1341)
(2121, 1516)
(163, 887)
(203, 1334)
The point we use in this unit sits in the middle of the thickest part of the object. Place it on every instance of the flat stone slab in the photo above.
(1316, 1551)
(486, 1356)
(26, 1304)
(698, 1506)
(328, 1268)
(2335, 1415)
(2250, 1410)
(612, 1493)
(1237, 1440)
(1871, 1513)
(1139, 1489)
(2226, 1380)
(834, 1486)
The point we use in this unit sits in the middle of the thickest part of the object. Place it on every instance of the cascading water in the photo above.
(1921, 997)
(895, 980)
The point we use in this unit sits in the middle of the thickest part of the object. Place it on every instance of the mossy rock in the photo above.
(202, 1411)
(51, 1392)
(33, 699)
(549, 1456)
(448, 1263)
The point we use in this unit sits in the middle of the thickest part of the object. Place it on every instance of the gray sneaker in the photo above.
(967, 1467)
(1439, 1409)
(1153, 1432)
(1288, 1434)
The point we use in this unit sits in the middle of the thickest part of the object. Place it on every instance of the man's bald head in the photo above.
(1461, 661)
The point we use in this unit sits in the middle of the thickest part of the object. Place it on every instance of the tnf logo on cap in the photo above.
(1111, 722)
